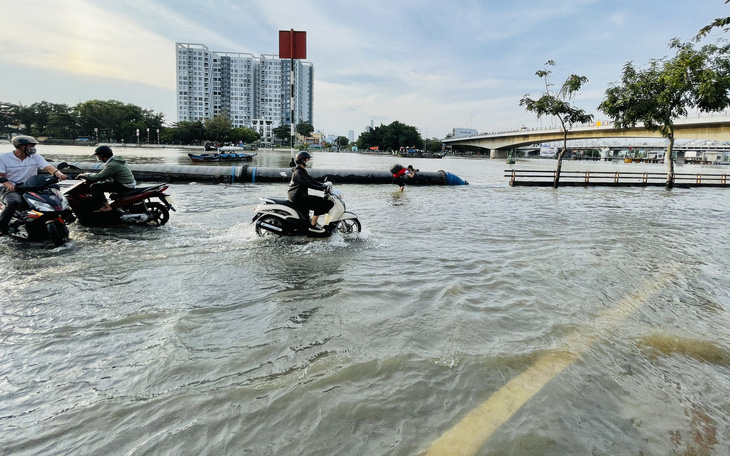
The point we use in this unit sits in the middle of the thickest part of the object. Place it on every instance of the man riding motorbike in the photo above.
(15, 168)
(116, 177)
(299, 187)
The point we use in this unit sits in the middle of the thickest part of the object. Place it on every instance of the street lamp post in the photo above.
(158, 136)
(96, 133)
(138, 137)
(148, 136)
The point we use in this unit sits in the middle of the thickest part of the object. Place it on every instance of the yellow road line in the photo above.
(470, 434)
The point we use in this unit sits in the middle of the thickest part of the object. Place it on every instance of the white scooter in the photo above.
(279, 216)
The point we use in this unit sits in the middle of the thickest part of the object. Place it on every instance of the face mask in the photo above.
(30, 151)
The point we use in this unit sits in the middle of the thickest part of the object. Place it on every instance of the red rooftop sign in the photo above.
(292, 45)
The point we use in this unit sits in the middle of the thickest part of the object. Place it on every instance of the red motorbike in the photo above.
(131, 207)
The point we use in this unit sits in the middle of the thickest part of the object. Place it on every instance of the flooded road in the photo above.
(495, 320)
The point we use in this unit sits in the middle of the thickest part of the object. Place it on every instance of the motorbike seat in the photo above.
(130, 192)
(278, 200)
(285, 202)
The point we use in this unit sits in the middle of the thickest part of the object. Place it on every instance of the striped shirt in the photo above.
(18, 171)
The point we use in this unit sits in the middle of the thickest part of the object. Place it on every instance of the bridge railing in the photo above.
(533, 177)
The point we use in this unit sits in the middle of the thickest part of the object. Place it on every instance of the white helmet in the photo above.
(22, 140)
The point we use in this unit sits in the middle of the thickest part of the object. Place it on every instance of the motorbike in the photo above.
(280, 217)
(44, 213)
(131, 207)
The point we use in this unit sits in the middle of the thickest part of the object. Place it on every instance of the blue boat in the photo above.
(223, 156)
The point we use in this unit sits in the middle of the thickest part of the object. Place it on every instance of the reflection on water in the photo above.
(200, 338)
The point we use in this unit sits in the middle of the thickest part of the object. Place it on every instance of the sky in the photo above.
(435, 65)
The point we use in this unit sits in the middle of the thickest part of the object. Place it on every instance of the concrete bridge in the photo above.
(500, 144)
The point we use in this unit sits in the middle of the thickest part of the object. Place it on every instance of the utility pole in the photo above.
(292, 45)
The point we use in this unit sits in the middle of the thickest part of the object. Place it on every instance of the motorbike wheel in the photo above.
(158, 213)
(271, 220)
(55, 234)
(348, 226)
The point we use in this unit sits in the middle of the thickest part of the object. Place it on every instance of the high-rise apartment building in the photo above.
(254, 92)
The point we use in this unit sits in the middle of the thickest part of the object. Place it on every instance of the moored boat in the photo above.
(222, 156)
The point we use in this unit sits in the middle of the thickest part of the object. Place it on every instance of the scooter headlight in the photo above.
(40, 205)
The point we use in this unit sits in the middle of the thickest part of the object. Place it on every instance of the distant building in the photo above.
(351, 135)
(460, 132)
(254, 92)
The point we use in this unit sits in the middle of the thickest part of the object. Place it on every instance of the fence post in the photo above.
(588, 174)
(514, 177)
(615, 179)
(646, 177)
(699, 178)
(723, 180)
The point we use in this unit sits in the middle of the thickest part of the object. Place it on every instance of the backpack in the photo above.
(395, 168)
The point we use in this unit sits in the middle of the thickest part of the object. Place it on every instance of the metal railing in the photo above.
(533, 177)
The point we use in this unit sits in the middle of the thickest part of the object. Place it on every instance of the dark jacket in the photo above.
(300, 182)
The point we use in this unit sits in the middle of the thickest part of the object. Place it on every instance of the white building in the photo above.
(253, 91)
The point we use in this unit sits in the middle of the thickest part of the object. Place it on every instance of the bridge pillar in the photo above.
(680, 157)
(499, 153)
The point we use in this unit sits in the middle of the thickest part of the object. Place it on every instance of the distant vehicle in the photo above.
(83, 139)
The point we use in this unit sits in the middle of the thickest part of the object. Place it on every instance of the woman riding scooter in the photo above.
(299, 187)
(116, 177)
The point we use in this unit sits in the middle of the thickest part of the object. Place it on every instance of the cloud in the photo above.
(83, 39)
(427, 63)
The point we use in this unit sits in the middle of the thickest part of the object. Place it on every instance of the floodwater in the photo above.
(481, 319)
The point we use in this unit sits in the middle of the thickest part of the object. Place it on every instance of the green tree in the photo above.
(719, 22)
(245, 135)
(341, 141)
(25, 119)
(390, 137)
(41, 116)
(663, 91)
(7, 118)
(185, 132)
(283, 132)
(62, 123)
(218, 128)
(305, 129)
(434, 145)
(558, 104)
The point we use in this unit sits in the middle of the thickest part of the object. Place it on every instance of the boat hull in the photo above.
(219, 157)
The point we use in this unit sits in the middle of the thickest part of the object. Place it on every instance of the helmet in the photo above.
(22, 140)
(104, 151)
(303, 155)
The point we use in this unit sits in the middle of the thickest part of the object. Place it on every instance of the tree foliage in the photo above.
(719, 22)
(113, 121)
(185, 132)
(305, 129)
(341, 141)
(559, 105)
(433, 145)
(390, 137)
(283, 132)
(665, 89)
(218, 128)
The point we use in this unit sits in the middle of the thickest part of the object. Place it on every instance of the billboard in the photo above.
(292, 45)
